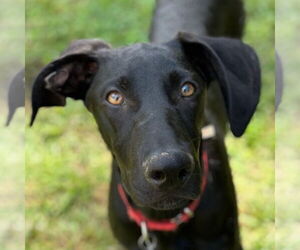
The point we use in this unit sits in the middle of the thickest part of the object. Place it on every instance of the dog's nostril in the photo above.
(182, 175)
(158, 175)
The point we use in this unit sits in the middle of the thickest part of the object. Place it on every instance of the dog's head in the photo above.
(148, 101)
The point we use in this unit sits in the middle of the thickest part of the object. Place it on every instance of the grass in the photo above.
(67, 164)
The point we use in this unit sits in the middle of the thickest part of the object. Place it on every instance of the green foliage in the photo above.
(67, 164)
(53, 25)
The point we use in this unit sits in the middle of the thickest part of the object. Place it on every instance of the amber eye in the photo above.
(115, 98)
(187, 89)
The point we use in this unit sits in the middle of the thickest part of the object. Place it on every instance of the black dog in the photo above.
(150, 102)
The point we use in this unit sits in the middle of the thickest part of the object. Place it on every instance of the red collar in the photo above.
(168, 224)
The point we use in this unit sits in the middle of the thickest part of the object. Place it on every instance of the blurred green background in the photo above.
(287, 128)
(67, 164)
(12, 43)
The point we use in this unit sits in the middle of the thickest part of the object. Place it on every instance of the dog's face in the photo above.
(148, 101)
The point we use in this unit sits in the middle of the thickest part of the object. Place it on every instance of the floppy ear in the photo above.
(16, 95)
(235, 66)
(68, 76)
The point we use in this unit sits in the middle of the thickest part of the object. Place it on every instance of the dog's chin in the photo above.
(170, 204)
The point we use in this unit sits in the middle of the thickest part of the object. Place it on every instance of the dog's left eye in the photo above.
(115, 98)
(187, 89)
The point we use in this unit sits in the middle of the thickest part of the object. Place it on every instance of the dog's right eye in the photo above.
(187, 89)
(115, 98)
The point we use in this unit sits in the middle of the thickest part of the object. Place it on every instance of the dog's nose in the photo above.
(168, 169)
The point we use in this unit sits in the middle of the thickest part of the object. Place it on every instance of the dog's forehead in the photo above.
(143, 50)
(140, 57)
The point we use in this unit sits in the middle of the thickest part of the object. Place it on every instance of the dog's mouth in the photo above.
(166, 201)
(171, 200)
(170, 204)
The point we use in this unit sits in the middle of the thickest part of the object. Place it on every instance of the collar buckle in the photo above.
(208, 132)
(188, 212)
(177, 219)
